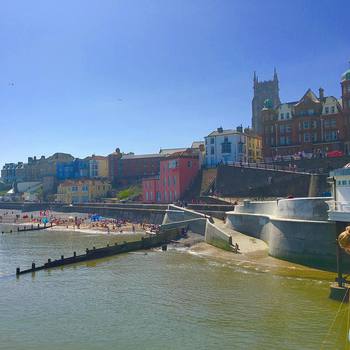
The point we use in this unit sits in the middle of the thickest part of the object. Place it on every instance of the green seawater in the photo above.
(159, 300)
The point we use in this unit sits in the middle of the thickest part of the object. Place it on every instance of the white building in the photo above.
(339, 207)
(225, 146)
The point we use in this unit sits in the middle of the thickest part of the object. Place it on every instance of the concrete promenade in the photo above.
(295, 230)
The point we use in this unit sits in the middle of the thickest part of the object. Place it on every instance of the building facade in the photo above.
(262, 91)
(75, 169)
(82, 191)
(177, 173)
(129, 168)
(312, 126)
(232, 146)
(98, 166)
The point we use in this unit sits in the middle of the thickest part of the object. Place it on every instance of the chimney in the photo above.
(239, 128)
(220, 130)
(321, 93)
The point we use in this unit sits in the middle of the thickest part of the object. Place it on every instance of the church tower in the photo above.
(265, 90)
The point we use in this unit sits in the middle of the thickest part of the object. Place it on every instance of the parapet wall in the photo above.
(294, 231)
(310, 208)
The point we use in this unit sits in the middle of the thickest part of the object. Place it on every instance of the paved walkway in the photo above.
(246, 243)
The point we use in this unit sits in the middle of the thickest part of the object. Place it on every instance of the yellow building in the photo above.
(98, 166)
(254, 146)
(82, 191)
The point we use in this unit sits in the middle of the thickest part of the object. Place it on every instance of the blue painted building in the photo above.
(76, 169)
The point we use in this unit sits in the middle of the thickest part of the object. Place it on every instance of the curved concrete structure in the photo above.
(294, 229)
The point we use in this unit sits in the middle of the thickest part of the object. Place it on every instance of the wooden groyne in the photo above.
(34, 227)
(151, 241)
(29, 228)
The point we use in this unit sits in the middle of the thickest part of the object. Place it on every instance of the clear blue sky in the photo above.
(86, 76)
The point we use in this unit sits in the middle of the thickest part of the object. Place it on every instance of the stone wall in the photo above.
(250, 182)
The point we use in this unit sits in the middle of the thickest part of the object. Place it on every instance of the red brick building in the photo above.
(312, 126)
(177, 173)
(128, 168)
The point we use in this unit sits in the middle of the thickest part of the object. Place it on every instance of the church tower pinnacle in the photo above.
(264, 90)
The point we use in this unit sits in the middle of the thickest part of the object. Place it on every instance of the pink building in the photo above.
(177, 173)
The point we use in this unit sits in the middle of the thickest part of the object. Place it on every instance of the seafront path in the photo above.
(246, 243)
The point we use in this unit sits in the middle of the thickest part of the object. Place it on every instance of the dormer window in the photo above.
(282, 116)
(332, 109)
(326, 110)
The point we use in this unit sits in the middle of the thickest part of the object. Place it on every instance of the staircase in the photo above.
(194, 189)
(208, 180)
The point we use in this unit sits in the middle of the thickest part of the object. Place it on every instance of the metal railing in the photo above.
(343, 207)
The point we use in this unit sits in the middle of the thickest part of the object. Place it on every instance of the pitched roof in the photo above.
(168, 151)
(141, 156)
(224, 132)
(196, 144)
(309, 95)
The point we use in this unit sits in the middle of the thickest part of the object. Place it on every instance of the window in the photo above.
(310, 111)
(288, 128)
(282, 128)
(331, 135)
(146, 196)
(288, 140)
(282, 116)
(172, 164)
(287, 115)
(314, 124)
(330, 123)
(282, 140)
(174, 180)
(343, 182)
(314, 137)
(212, 150)
(74, 188)
(159, 198)
(306, 124)
(85, 188)
(189, 164)
(326, 110)
(226, 147)
(212, 140)
(306, 137)
(332, 109)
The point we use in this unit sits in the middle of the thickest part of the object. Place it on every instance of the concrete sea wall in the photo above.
(295, 230)
(199, 223)
(134, 212)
